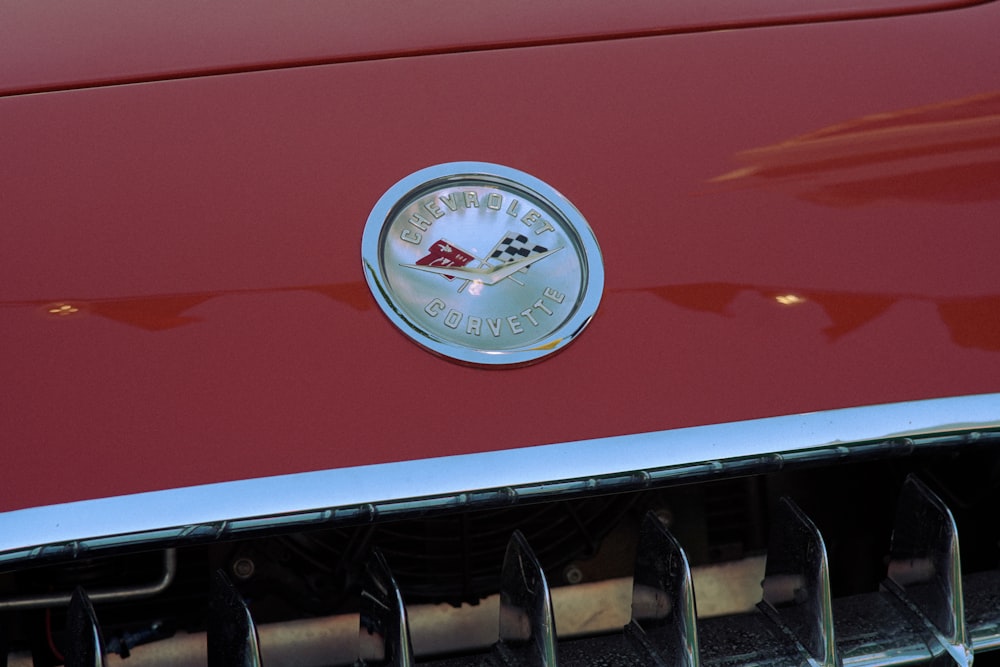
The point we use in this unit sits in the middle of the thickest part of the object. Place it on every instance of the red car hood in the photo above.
(182, 293)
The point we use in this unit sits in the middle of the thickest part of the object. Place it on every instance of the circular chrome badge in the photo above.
(482, 263)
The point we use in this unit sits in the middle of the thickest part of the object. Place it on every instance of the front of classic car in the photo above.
(528, 333)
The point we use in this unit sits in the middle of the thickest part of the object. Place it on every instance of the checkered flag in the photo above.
(515, 247)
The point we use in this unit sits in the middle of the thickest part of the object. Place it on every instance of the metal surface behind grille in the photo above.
(918, 616)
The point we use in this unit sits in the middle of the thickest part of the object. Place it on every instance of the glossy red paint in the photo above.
(183, 302)
(48, 45)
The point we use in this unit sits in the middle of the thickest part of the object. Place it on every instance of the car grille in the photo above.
(863, 567)
(924, 611)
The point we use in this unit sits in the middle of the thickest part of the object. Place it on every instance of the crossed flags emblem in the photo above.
(510, 248)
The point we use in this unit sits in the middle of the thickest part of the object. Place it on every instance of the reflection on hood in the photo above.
(945, 153)
(973, 322)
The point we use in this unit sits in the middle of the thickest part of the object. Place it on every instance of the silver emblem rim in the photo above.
(409, 290)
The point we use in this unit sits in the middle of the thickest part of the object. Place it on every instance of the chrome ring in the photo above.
(482, 263)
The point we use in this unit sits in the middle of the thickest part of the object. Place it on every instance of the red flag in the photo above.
(445, 254)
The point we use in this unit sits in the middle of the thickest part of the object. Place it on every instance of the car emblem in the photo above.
(482, 263)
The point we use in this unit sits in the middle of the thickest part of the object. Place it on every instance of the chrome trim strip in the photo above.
(230, 509)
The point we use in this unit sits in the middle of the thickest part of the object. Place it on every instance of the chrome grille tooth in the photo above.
(85, 645)
(527, 623)
(796, 587)
(664, 617)
(383, 616)
(792, 624)
(924, 573)
(232, 635)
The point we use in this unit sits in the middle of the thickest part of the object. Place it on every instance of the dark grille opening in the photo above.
(854, 574)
